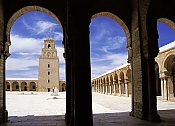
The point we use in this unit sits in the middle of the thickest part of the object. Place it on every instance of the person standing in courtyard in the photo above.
(53, 89)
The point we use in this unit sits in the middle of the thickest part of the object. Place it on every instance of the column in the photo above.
(165, 90)
(114, 89)
(20, 87)
(81, 62)
(162, 88)
(106, 89)
(120, 91)
(10, 86)
(110, 88)
(99, 88)
(68, 79)
(28, 87)
(126, 89)
(103, 89)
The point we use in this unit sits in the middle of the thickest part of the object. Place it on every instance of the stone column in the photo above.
(81, 62)
(162, 88)
(165, 89)
(120, 90)
(28, 86)
(144, 50)
(114, 88)
(110, 88)
(103, 89)
(10, 86)
(68, 77)
(20, 87)
(106, 89)
(126, 89)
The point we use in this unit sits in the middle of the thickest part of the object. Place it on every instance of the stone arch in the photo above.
(121, 76)
(15, 86)
(111, 79)
(25, 10)
(23, 86)
(7, 86)
(128, 75)
(107, 80)
(168, 62)
(121, 80)
(168, 22)
(32, 86)
(116, 78)
(119, 21)
(63, 87)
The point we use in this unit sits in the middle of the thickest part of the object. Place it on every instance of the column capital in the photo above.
(126, 81)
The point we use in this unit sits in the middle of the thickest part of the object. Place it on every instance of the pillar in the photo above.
(10, 86)
(106, 89)
(19, 87)
(126, 89)
(68, 77)
(110, 88)
(28, 86)
(162, 88)
(144, 50)
(80, 55)
(120, 90)
(103, 89)
(114, 89)
(165, 89)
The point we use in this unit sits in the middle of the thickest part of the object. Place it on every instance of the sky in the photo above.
(107, 42)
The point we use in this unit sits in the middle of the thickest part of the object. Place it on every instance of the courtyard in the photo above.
(41, 109)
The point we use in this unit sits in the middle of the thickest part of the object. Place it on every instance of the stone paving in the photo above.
(40, 109)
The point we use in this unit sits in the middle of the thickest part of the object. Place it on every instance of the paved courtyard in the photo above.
(40, 109)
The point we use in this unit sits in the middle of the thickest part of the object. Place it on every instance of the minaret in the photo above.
(48, 74)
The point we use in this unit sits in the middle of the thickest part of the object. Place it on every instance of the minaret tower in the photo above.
(48, 74)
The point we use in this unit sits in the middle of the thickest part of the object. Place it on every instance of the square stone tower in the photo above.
(48, 74)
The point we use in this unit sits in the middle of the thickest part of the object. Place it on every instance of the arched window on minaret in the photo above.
(49, 47)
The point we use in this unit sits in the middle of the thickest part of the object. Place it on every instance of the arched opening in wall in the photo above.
(169, 65)
(63, 87)
(109, 37)
(29, 31)
(116, 84)
(121, 83)
(32, 86)
(15, 86)
(165, 58)
(24, 86)
(7, 86)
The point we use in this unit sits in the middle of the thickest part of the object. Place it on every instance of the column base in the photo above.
(154, 117)
(5, 119)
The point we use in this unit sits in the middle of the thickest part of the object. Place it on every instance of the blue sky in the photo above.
(107, 40)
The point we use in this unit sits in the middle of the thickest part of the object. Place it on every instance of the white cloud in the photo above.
(20, 63)
(58, 36)
(21, 44)
(114, 43)
(41, 27)
(102, 64)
